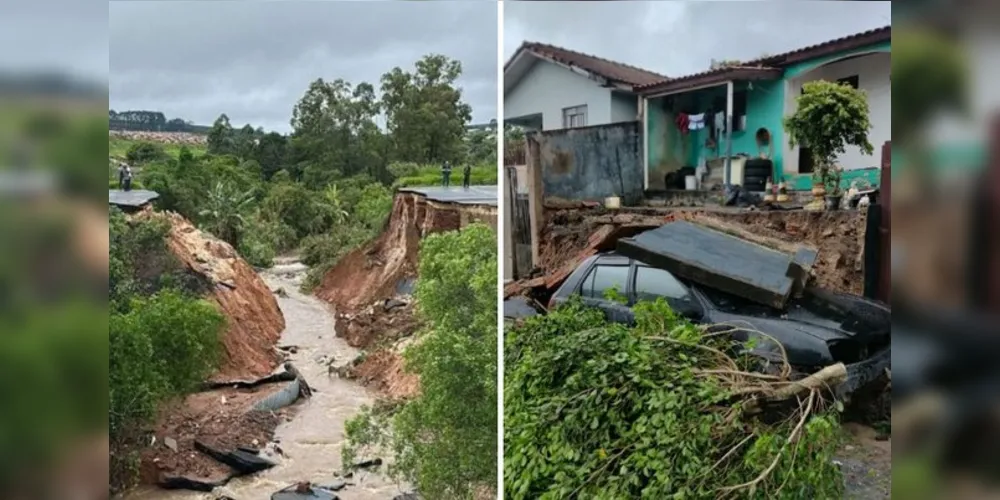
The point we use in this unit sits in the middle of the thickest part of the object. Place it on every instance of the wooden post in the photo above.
(729, 132)
(536, 196)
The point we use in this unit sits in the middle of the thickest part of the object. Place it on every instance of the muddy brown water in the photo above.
(313, 437)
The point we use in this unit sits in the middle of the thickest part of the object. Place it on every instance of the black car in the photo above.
(816, 330)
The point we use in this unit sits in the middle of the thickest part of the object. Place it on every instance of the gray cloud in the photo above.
(69, 36)
(254, 60)
(679, 38)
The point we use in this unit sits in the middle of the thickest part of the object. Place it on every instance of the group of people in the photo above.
(124, 176)
(446, 175)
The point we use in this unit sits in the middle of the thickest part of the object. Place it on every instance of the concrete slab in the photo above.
(474, 195)
(717, 260)
(132, 199)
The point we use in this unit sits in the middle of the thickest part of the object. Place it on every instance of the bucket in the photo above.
(690, 182)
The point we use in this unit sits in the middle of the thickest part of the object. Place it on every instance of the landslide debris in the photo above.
(254, 321)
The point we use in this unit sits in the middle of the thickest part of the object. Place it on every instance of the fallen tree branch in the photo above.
(827, 377)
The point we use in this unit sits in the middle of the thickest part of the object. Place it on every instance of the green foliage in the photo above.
(224, 210)
(430, 175)
(445, 439)
(424, 110)
(597, 410)
(829, 117)
(163, 340)
(145, 152)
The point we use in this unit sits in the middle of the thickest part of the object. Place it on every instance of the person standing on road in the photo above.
(446, 174)
(466, 175)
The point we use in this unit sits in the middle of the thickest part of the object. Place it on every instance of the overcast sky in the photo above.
(679, 38)
(68, 36)
(254, 60)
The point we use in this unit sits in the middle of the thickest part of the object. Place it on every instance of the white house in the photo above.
(548, 88)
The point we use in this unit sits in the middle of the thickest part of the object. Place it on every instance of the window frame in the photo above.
(572, 112)
(587, 294)
(634, 284)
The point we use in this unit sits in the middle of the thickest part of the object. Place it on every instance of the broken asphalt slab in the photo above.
(720, 261)
(473, 195)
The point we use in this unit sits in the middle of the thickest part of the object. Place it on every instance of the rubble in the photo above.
(580, 232)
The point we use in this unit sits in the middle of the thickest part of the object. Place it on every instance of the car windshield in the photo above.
(729, 303)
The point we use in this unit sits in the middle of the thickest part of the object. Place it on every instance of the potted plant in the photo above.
(829, 116)
(834, 195)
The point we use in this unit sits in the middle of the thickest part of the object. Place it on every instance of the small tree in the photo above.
(830, 116)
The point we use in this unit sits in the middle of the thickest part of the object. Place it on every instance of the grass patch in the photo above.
(118, 147)
(485, 175)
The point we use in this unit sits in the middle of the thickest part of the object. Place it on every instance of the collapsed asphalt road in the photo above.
(312, 437)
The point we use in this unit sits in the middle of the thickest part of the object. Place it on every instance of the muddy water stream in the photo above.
(313, 436)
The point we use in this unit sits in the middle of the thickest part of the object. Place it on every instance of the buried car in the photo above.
(815, 330)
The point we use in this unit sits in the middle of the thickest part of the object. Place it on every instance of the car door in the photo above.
(602, 278)
(651, 283)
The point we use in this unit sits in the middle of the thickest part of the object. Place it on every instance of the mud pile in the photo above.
(254, 321)
(377, 270)
(838, 235)
(369, 288)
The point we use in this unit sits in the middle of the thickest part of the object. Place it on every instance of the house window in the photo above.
(575, 116)
(851, 81)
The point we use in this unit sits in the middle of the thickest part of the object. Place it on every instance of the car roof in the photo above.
(612, 258)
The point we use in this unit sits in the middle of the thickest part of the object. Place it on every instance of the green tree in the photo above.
(445, 439)
(270, 154)
(481, 146)
(224, 212)
(829, 117)
(425, 113)
(334, 132)
(220, 137)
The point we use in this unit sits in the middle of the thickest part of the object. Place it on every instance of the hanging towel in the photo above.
(720, 121)
(696, 122)
(682, 122)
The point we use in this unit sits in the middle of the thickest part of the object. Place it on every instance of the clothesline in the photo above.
(687, 122)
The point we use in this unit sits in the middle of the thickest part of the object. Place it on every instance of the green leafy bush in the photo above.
(145, 152)
(445, 439)
(597, 410)
(163, 340)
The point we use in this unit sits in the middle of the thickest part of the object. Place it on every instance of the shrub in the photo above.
(445, 439)
(597, 410)
(145, 152)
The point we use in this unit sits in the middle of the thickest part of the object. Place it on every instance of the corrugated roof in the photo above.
(771, 63)
(718, 75)
(605, 68)
(821, 49)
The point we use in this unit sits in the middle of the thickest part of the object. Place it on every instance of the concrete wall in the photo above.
(592, 163)
(624, 108)
(548, 89)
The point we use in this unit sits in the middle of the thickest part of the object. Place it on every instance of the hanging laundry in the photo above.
(682, 122)
(720, 121)
(696, 122)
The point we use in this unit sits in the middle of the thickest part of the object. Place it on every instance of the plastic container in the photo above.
(613, 202)
(690, 182)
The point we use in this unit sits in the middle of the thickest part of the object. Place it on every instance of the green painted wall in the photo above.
(670, 150)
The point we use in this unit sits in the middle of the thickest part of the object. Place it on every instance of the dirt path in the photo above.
(866, 464)
(313, 436)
